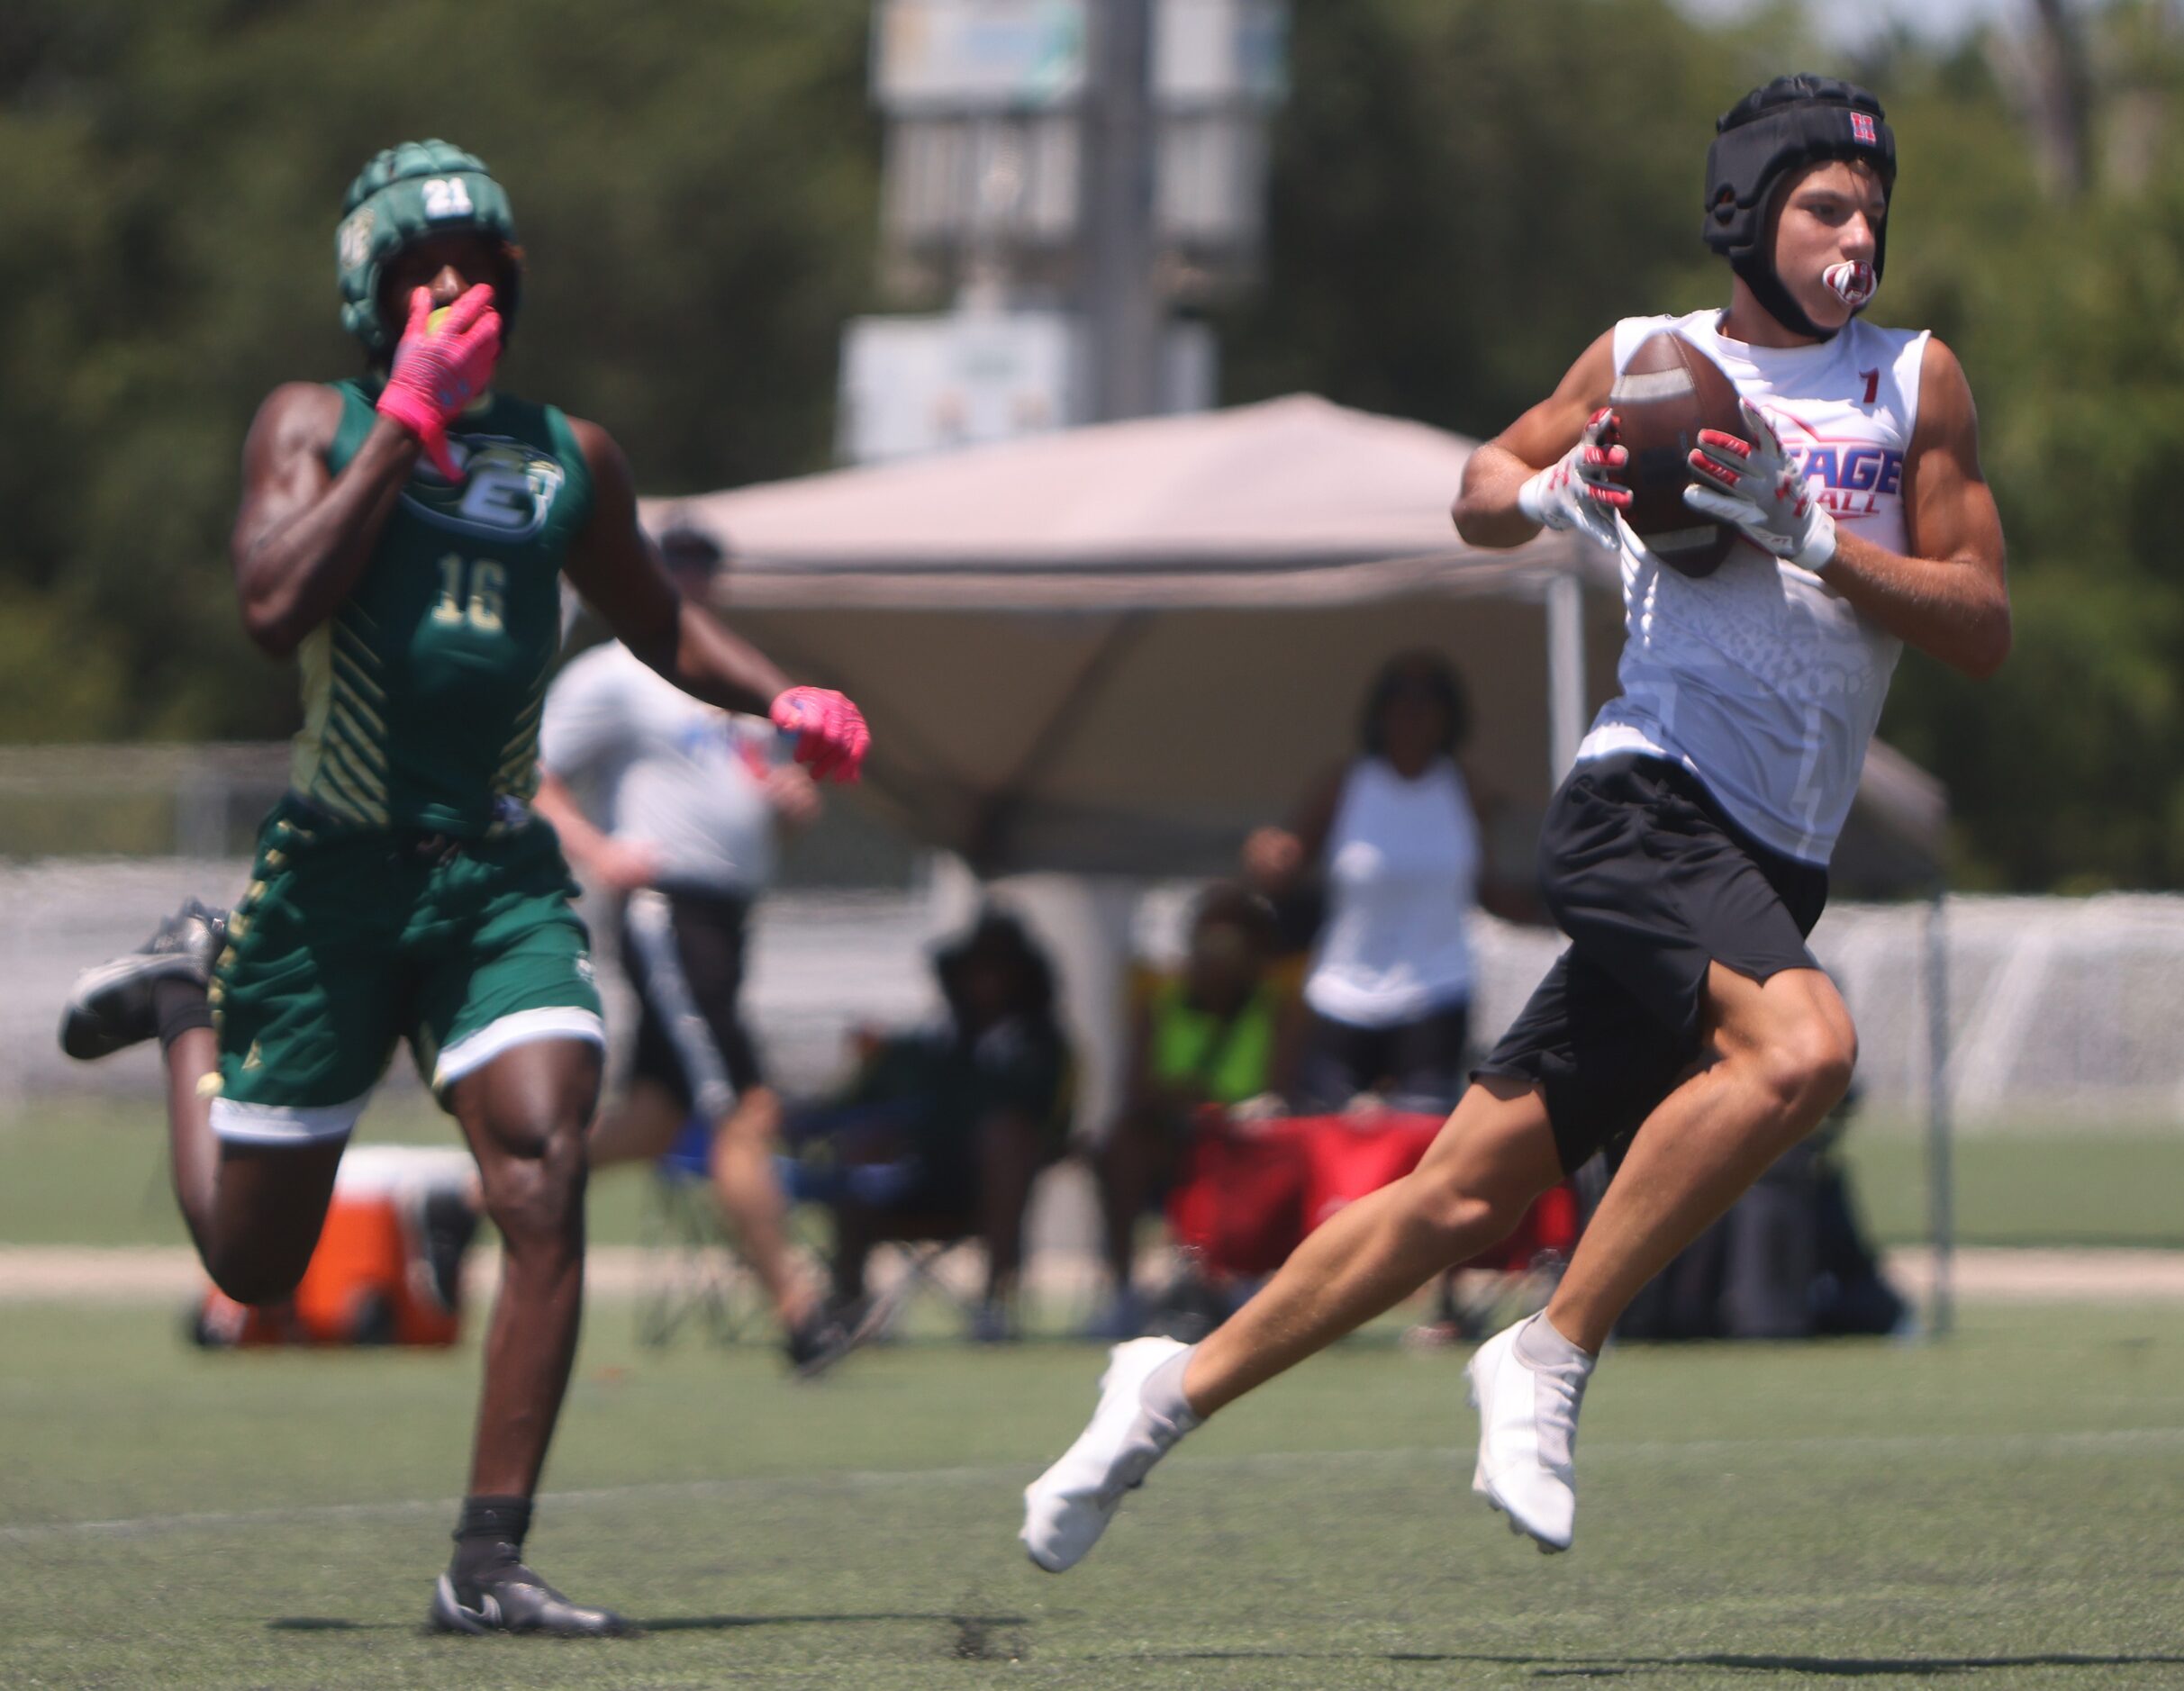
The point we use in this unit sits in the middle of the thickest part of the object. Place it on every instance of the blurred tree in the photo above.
(2066, 770)
(2058, 95)
(695, 186)
(1464, 193)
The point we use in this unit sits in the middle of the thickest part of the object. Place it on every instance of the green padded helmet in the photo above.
(407, 193)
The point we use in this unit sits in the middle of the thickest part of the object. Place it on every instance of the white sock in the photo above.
(1540, 1346)
(1163, 1393)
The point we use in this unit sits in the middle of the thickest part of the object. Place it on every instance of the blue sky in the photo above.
(1849, 21)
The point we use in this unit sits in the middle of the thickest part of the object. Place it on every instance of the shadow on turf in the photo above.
(1613, 1667)
(724, 1623)
(975, 1634)
(1842, 1666)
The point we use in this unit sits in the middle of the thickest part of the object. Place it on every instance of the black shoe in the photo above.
(441, 1225)
(513, 1599)
(815, 1345)
(110, 1009)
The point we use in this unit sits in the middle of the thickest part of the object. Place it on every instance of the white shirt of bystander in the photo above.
(657, 766)
(1402, 869)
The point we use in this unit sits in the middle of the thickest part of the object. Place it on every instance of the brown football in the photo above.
(1667, 392)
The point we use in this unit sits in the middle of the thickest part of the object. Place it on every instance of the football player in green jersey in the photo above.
(405, 535)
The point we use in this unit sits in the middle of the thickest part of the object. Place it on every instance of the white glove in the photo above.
(1754, 485)
(1578, 493)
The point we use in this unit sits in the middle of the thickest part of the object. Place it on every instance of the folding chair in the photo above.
(688, 1266)
(826, 1166)
(923, 1247)
(929, 1242)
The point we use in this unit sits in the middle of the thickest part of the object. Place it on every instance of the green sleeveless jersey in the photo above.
(423, 692)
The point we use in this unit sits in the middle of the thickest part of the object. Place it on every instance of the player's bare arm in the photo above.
(615, 568)
(1950, 599)
(303, 537)
(1494, 508)
(618, 572)
(1945, 594)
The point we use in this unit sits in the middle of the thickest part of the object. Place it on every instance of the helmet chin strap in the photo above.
(1855, 283)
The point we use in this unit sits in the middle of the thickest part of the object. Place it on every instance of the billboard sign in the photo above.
(965, 55)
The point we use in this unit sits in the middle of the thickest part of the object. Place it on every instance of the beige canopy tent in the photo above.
(1115, 649)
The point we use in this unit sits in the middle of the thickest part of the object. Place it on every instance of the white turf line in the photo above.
(2096, 1441)
(122, 1274)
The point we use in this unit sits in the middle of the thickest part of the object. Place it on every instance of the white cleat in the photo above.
(1528, 1435)
(1068, 1507)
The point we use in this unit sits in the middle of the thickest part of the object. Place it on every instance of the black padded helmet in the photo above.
(1759, 143)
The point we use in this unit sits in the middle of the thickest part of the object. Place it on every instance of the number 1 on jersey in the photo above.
(487, 596)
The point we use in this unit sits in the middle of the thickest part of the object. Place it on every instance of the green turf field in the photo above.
(1994, 1513)
(95, 1174)
(2024, 1187)
(94, 1171)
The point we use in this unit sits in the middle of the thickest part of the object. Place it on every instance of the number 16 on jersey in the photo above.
(472, 591)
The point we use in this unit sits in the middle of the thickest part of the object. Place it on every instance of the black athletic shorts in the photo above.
(684, 955)
(1652, 882)
(1415, 1065)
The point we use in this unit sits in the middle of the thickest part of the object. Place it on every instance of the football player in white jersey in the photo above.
(1687, 1029)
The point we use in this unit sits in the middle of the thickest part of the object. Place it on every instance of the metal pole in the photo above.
(201, 808)
(1566, 672)
(1122, 301)
(1941, 1313)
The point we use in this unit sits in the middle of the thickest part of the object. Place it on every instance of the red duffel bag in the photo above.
(1238, 1201)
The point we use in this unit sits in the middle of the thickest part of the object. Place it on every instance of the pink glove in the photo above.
(830, 732)
(441, 367)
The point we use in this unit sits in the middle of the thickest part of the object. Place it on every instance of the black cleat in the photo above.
(816, 1344)
(110, 1009)
(513, 1599)
(440, 1225)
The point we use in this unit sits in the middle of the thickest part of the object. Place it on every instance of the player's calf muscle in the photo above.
(1458, 1220)
(250, 1274)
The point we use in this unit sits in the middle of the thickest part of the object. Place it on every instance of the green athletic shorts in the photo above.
(348, 940)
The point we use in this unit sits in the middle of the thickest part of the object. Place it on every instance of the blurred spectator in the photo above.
(690, 804)
(1220, 1032)
(943, 1130)
(1395, 838)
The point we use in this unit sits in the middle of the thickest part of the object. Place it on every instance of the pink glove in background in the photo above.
(440, 369)
(830, 732)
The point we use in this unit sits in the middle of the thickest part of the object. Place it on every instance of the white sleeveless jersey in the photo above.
(1760, 678)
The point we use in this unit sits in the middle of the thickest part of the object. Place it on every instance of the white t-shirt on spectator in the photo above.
(658, 767)
(1402, 873)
